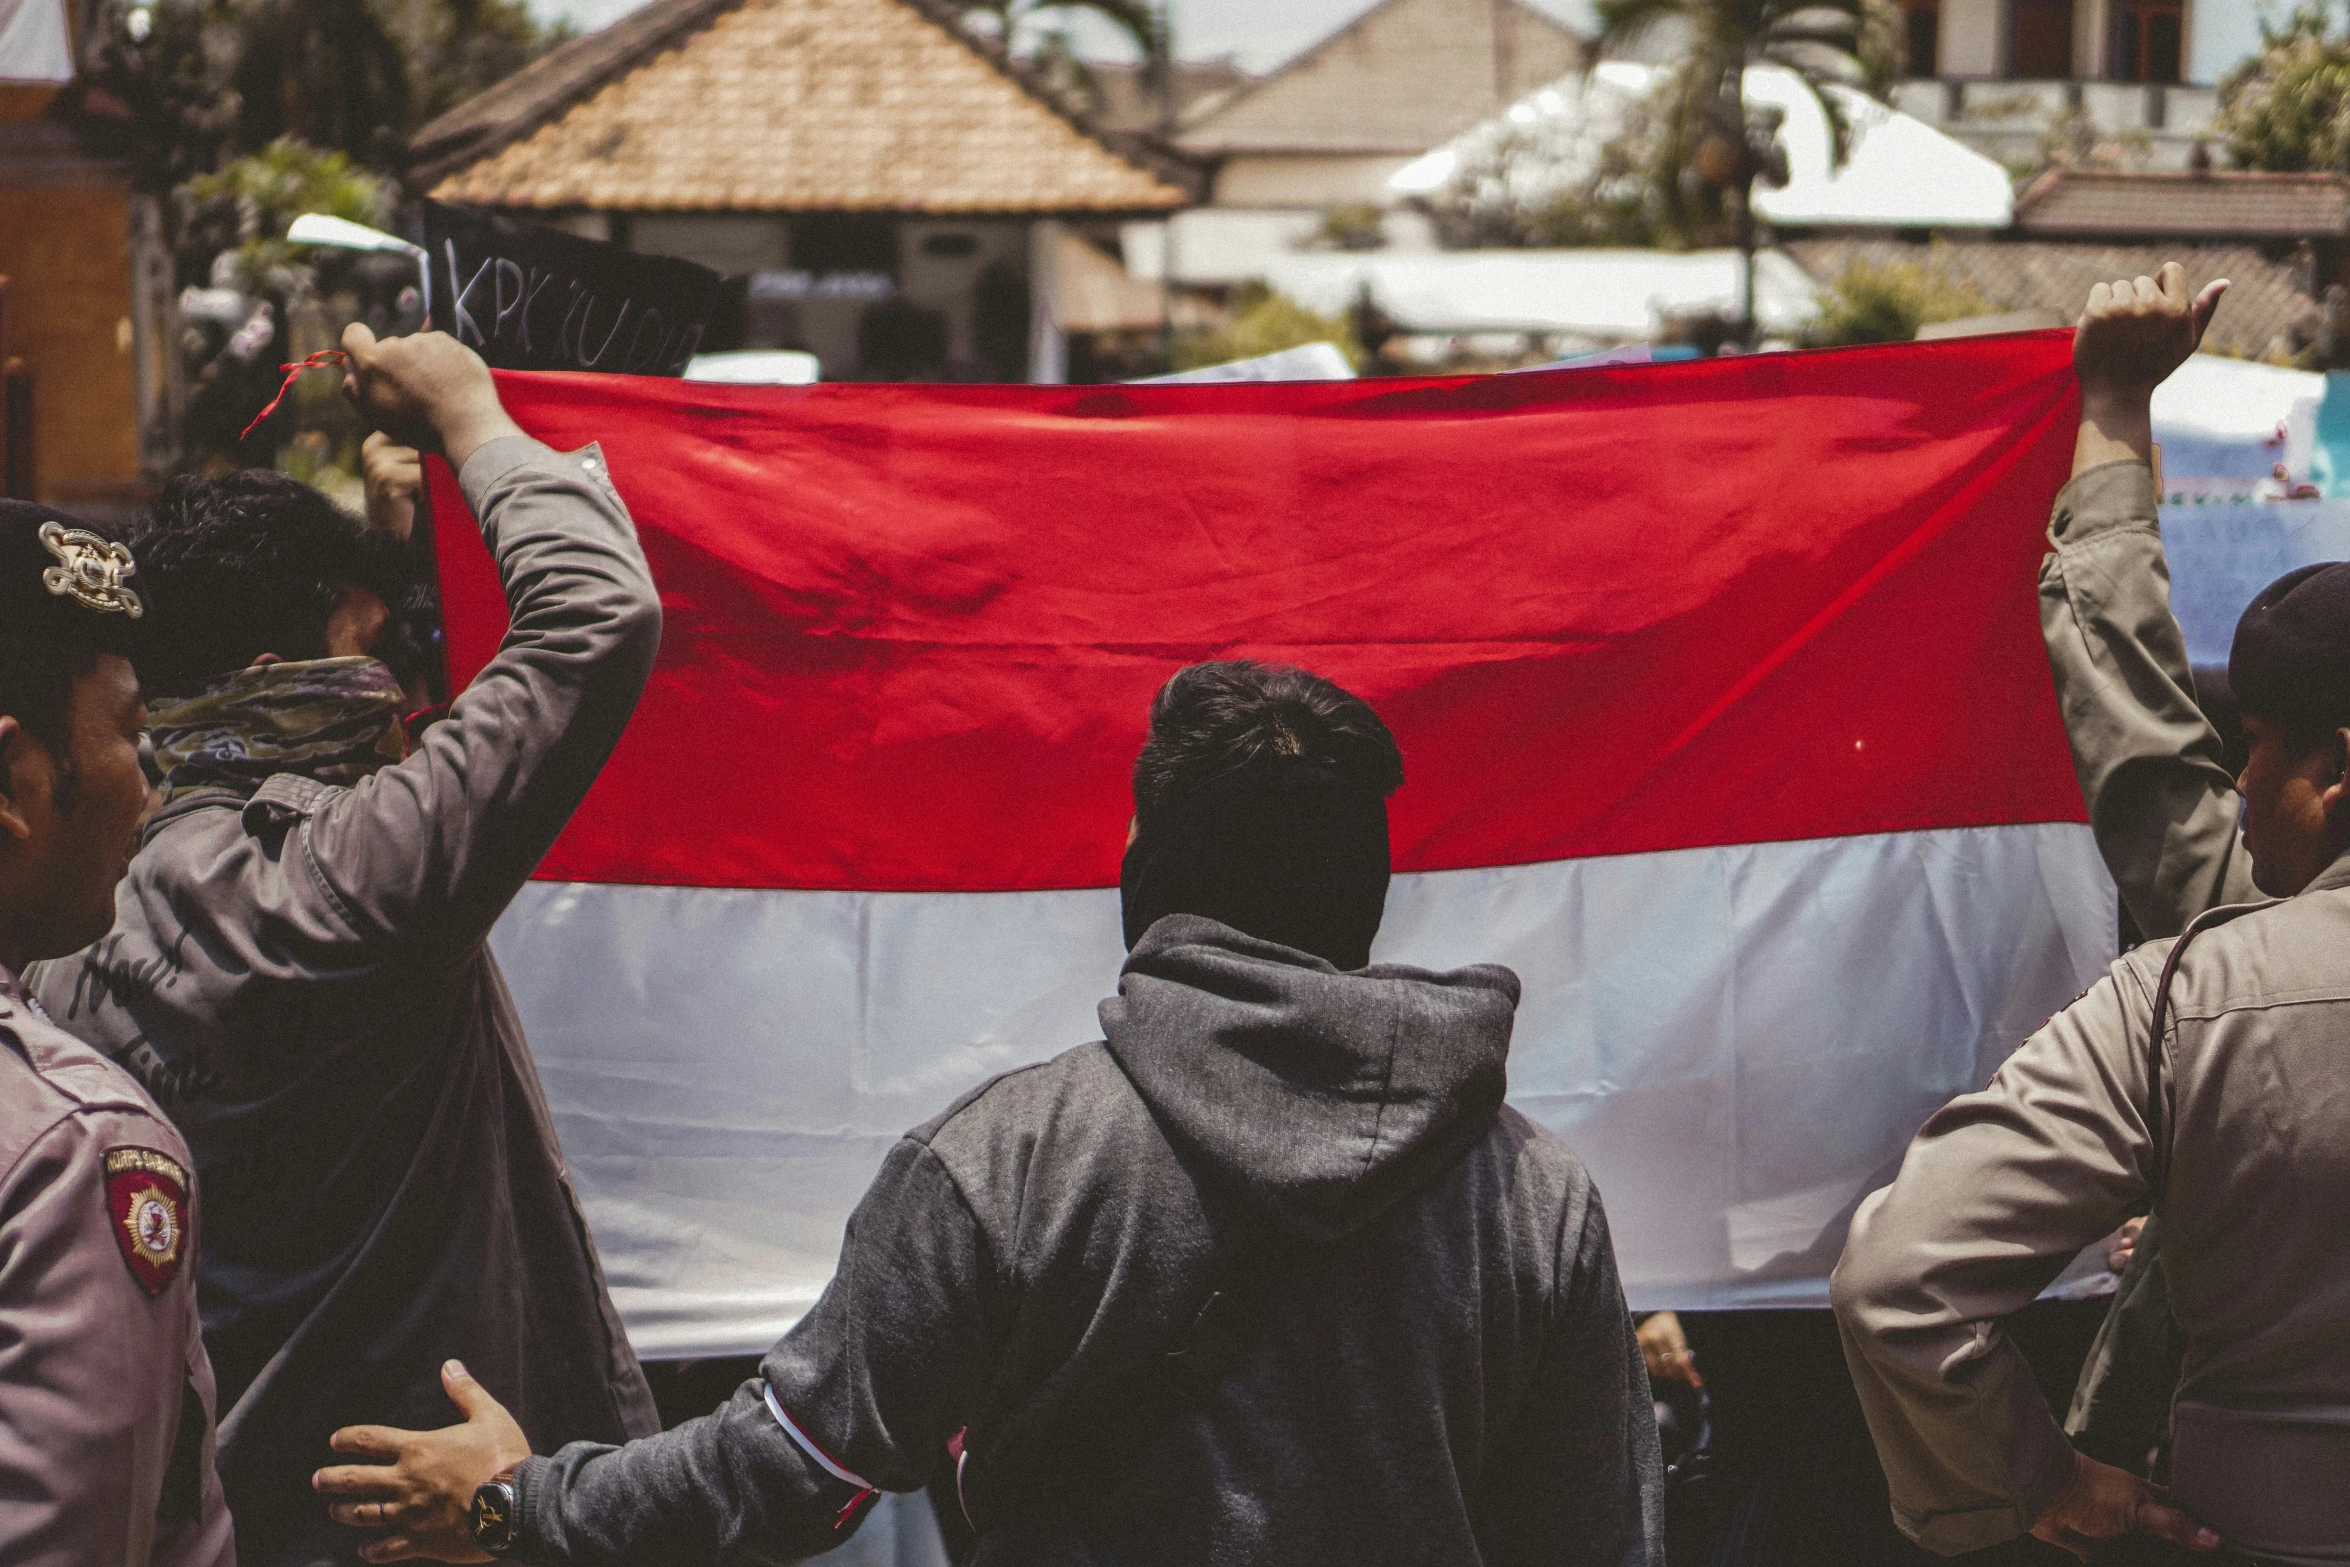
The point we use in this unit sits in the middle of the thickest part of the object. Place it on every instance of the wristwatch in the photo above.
(495, 1514)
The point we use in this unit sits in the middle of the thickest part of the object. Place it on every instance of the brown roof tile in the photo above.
(2218, 205)
(520, 104)
(782, 105)
(1403, 77)
(2267, 312)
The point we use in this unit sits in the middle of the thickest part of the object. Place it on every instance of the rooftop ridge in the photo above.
(542, 92)
(848, 105)
(562, 78)
(1241, 98)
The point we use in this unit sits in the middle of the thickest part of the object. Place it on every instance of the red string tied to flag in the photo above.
(317, 361)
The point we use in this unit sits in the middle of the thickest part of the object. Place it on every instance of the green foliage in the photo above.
(1360, 227)
(243, 209)
(1008, 20)
(1705, 146)
(1263, 322)
(1886, 302)
(285, 301)
(2288, 107)
(455, 48)
(216, 79)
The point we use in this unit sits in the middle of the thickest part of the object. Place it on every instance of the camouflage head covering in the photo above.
(333, 719)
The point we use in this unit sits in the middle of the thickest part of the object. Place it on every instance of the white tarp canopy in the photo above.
(1213, 245)
(1901, 172)
(1306, 362)
(1609, 295)
(2224, 418)
(35, 45)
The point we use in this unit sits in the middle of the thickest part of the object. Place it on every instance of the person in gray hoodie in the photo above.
(1267, 1275)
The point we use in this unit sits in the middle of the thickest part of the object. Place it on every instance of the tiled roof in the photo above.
(521, 103)
(1403, 77)
(2217, 205)
(782, 105)
(2267, 312)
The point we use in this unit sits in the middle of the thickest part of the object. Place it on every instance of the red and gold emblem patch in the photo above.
(147, 1198)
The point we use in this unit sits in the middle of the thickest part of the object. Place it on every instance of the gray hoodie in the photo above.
(1439, 1367)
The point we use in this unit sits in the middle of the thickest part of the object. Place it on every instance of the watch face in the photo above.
(493, 1516)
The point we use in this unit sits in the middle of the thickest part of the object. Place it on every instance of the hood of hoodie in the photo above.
(1316, 1097)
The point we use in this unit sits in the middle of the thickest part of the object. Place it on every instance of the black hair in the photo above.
(249, 563)
(2287, 665)
(1212, 720)
(2217, 698)
(36, 686)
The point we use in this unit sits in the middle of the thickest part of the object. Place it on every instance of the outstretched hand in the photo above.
(2134, 333)
(2106, 1503)
(426, 390)
(418, 1485)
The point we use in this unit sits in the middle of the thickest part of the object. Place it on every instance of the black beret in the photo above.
(2291, 659)
(63, 582)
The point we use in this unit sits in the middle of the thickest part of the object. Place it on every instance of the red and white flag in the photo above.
(1724, 714)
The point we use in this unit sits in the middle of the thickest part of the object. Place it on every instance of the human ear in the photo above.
(12, 819)
(2338, 763)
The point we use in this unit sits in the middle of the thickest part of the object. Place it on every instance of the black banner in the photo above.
(531, 298)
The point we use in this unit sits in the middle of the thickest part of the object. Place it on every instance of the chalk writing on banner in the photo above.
(531, 298)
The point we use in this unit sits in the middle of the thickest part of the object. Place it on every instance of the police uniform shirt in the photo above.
(106, 1398)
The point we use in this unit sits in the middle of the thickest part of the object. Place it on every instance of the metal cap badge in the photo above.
(65, 583)
(91, 569)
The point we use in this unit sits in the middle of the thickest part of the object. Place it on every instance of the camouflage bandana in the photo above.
(333, 719)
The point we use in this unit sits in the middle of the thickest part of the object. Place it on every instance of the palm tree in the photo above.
(1137, 19)
(1708, 145)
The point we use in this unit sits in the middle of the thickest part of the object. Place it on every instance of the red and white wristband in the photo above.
(867, 1491)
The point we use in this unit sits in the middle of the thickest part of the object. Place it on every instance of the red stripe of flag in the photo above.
(911, 631)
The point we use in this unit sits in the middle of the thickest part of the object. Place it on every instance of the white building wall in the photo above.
(1970, 44)
(725, 242)
(2091, 36)
(1273, 181)
(2221, 34)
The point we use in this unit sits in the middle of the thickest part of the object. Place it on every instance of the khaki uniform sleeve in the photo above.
(104, 1460)
(1997, 1194)
(2162, 806)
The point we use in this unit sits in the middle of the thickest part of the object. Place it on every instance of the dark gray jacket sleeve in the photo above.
(432, 850)
(2163, 808)
(1582, 1480)
(873, 1379)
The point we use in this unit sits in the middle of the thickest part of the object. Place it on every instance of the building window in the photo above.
(845, 244)
(2148, 40)
(1924, 37)
(2039, 40)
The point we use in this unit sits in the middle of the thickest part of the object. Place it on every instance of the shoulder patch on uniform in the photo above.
(147, 1202)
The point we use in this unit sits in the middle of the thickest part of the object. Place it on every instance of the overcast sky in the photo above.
(1260, 33)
